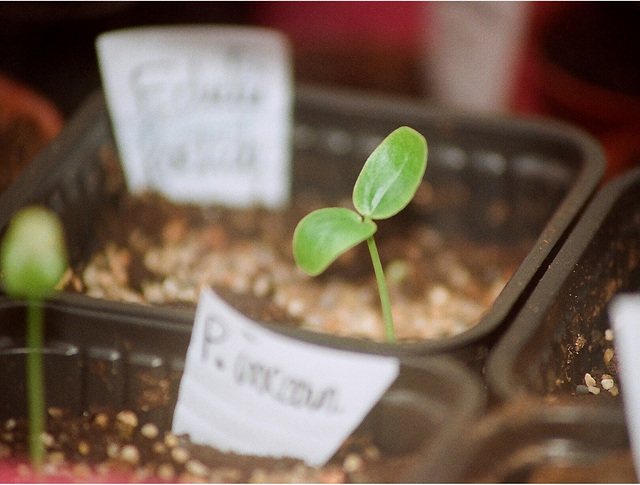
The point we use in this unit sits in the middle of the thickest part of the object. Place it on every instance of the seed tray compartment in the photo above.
(124, 361)
(513, 180)
(561, 332)
(535, 441)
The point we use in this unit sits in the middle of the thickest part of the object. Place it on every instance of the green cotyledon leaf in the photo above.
(391, 175)
(323, 235)
(33, 254)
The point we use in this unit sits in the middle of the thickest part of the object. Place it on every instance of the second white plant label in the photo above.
(250, 390)
(201, 113)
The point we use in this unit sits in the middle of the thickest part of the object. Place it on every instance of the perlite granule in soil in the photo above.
(152, 251)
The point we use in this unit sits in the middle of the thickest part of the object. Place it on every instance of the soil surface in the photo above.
(152, 251)
(102, 446)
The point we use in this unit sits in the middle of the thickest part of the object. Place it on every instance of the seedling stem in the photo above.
(35, 381)
(385, 301)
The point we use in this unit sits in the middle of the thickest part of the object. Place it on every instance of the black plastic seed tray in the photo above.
(561, 332)
(533, 441)
(97, 357)
(517, 182)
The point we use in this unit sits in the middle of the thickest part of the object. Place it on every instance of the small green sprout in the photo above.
(33, 258)
(388, 181)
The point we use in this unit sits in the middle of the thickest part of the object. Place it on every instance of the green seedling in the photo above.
(388, 181)
(33, 258)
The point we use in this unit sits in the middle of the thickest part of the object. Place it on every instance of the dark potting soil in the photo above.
(153, 251)
(102, 445)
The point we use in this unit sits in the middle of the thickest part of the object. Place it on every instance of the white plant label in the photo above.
(253, 391)
(625, 315)
(201, 113)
